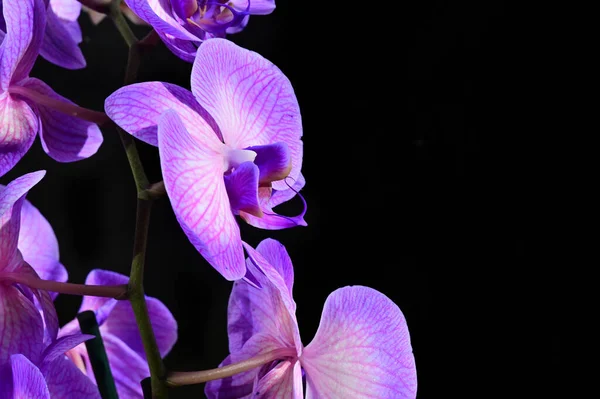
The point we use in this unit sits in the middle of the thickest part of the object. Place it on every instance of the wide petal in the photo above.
(137, 109)
(25, 25)
(158, 14)
(28, 380)
(242, 189)
(254, 7)
(66, 381)
(122, 325)
(64, 137)
(18, 127)
(103, 307)
(284, 381)
(66, 9)
(128, 368)
(11, 201)
(39, 246)
(60, 45)
(21, 327)
(193, 175)
(361, 349)
(251, 100)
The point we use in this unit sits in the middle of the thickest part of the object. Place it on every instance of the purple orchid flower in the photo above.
(361, 349)
(62, 35)
(230, 147)
(28, 105)
(184, 24)
(31, 357)
(121, 336)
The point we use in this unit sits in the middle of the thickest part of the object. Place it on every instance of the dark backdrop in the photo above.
(404, 110)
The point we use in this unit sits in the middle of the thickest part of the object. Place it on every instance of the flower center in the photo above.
(214, 16)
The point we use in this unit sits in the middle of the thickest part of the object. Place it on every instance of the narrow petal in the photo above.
(137, 108)
(277, 256)
(66, 381)
(184, 49)
(251, 100)
(254, 7)
(59, 45)
(158, 14)
(361, 349)
(28, 380)
(193, 176)
(18, 127)
(242, 189)
(122, 325)
(39, 246)
(21, 328)
(62, 345)
(25, 25)
(64, 137)
(280, 382)
(67, 9)
(11, 201)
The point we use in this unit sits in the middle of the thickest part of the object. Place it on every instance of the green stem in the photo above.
(121, 23)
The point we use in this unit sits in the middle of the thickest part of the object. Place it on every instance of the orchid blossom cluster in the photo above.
(230, 150)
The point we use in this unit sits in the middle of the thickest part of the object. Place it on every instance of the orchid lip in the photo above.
(237, 157)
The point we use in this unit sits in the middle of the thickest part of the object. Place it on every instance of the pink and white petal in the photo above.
(18, 127)
(64, 137)
(128, 368)
(284, 381)
(251, 100)
(361, 349)
(193, 175)
(25, 25)
(122, 325)
(59, 46)
(21, 327)
(11, 201)
(28, 381)
(137, 109)
(66, 381)
(157, 13)
(66, 9)
(255, 7)
(39, 246)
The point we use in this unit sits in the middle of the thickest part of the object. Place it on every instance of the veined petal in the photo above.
(242, 189)
(127, 366)
(66, 381)
(284, 381)
(158, 13)
(256, 7)
(18, 126)
(66, 9)
(273, 161)
(25, 25)
(361, 349)
(193, 175)
(62, 345)
(59, 46)
(21, 328)
(137, 109)
(11, 201)
(28, 380)
(121, 324)
(39, 246)
(251, 100)
(64, 137)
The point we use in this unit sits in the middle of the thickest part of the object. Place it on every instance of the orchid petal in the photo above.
(122, 325)
(39, 246)
(361, 349)
(158, 14)
(242, 190)
(270, 198)
(254, 7)
(74, 30)
(251, 100)
(284, 381)
(62, 345)
(21, 327)
(67, 9)
(18, 126)
(137, 109)
(66, 381)
(102, 306)
(28, 380)
(273, 161)
(193, 175)
(25, 24)
(128, 368)
(277, 256)
(184, 49)
(59, 46)
(64, 137)
(11, 201)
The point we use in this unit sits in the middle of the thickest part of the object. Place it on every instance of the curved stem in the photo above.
(107, 291)
(180, 378)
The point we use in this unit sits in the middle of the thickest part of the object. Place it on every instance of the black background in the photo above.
(407, 114)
